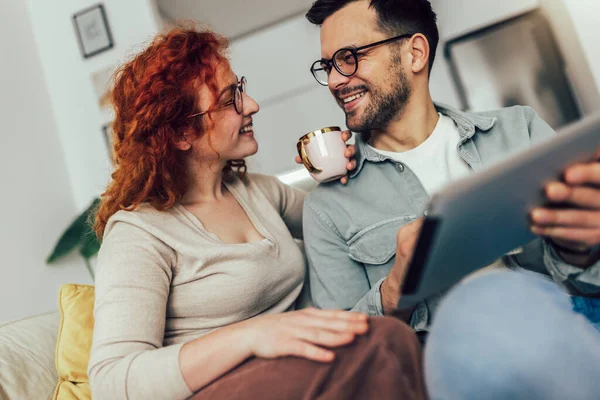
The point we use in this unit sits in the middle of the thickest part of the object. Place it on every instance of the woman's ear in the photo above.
(183, 143)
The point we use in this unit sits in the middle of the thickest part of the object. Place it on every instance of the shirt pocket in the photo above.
(376, 244)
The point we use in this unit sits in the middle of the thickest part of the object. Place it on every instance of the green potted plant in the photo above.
(81, 236)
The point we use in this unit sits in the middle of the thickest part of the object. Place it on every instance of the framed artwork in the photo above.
(108, 135)
(512, 62)
(93, 32)
(103, 83)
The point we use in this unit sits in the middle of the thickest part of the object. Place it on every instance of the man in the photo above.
(376, 59)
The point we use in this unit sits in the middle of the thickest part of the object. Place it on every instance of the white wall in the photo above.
(78, 117)
(233, 18)
(457, 17)
(583, 55)
(36, 201)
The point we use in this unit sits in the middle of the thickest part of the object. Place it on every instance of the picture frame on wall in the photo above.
(93, 31)
(108, 134)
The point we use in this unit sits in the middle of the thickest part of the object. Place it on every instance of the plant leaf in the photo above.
(89, 245)
(74, 234)
(69, 239)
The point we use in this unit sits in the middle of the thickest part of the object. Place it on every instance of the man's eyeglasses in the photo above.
(345, 60)
(237, 99)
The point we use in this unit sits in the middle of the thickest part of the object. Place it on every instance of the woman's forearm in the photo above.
(205, 359)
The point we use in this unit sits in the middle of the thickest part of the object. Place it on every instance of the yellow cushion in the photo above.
(76, 304)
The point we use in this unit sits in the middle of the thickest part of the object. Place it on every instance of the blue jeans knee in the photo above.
(511, 335)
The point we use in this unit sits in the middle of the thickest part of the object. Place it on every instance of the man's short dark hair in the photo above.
(394, 17)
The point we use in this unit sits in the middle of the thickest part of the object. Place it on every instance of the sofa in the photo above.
(27, 357)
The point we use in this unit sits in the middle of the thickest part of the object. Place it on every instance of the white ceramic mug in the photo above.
(322, 153)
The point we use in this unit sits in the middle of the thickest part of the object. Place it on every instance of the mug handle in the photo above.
(305, 160)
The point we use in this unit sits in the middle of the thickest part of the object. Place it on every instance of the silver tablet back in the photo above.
(476, 220)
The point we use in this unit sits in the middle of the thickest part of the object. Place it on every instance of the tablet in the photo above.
(478, 219)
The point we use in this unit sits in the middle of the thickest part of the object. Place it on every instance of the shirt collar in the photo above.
(466, 123)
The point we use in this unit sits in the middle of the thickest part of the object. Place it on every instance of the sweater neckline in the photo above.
(254, 220)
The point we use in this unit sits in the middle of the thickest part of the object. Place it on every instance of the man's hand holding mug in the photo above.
(325, 154)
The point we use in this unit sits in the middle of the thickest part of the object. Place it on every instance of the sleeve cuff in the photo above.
(377, 303)
(160, 374)
(585, 281)
(371, 304)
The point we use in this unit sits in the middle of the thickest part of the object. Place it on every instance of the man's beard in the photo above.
(383, 107)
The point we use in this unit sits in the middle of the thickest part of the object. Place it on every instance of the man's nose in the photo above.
(336, 80)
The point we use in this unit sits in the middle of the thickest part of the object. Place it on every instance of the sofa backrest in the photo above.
(27, 354)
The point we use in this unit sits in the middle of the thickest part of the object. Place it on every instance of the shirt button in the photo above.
(400, 167)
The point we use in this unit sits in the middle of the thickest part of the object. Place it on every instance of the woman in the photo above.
(198, 272)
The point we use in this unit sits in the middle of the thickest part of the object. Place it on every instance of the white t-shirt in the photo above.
(436, 161)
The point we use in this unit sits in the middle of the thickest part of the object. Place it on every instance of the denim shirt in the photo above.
(350, 231)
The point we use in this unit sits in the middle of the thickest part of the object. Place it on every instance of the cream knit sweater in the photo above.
(163, 280)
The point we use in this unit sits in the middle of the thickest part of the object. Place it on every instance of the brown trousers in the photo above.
(385, 363)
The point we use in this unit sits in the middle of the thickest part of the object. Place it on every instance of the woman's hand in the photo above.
(349, 154)
(304, 333)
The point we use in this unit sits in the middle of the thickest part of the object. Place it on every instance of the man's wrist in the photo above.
(390, 295)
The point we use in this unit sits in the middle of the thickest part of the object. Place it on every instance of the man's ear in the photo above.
(420, 53)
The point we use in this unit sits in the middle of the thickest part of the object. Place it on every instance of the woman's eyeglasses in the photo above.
(237, 99)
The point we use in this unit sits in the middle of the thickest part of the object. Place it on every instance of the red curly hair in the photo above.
(152, 97)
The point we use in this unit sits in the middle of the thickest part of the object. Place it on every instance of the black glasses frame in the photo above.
(237, 100)
(318, 65)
